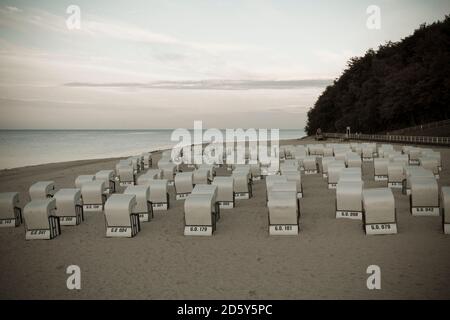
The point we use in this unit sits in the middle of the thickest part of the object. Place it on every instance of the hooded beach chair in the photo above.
(184, 184)
(94, 195)
(69, 207)
(349, 199)
(424, 199)
(225, 193)
(120, 220)
(10, 210)
(159, 194)
(379, 214)
(199, 215)
(82, 179)
(42, 190)
(41, 222)
(143, 207)
(109, 178)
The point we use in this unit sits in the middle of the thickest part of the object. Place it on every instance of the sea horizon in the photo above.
(28, 147)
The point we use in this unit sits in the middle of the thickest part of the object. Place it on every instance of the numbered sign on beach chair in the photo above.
(94, 197)
(199, 216)
(349, 200)
(120, 220)
(41, 222)
(10, 210)
(69, 207)
(42, 190)
(225, 193)
(379, 214)
(424, 199)
(143, 207)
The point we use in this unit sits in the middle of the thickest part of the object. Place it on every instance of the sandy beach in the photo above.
(328, 259)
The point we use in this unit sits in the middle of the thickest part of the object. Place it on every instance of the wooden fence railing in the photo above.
(444, 141)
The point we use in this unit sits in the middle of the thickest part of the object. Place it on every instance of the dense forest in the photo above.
(401, 84)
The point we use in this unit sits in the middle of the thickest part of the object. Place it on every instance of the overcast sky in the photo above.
(163, 64)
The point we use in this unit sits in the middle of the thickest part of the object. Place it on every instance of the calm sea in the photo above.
(20, 148)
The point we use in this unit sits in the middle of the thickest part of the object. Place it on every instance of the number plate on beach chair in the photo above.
(242, 195)
(119, 232)
(226, 204)
(311, 171)
(159, 206)
(198, 230)
(381, 178)
(425, 211)
(381, 228)
(395, 185)
(181, 196)
(92, 207)
(355, 215)
(283, 230)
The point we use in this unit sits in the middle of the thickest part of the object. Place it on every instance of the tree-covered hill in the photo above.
(402, 84)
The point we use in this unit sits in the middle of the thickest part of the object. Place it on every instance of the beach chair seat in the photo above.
(349, 200)
(352, 160)
(255, 170)
(42, 190)
(109, 177)
(69, 206)
(431, 164)
(334, 172)
(325, 161)
(94, 196)
(414, 154)
(295, 176)
(82, 179)
(379, 213)
(283, 213)
(151, 174)
(350, 174)
(41, 222)
(367, 153)
(147, 157)
(137, 164)
(310, 165)
(414, 171)
(143, 207)
(10, 210)
(380, 169)
(159, 194)
(225, 193)
(242, 184)
(199, 215)
(126, 174)
(210, 168)
(424, 198)
(120, 220)
(445, 204)
(184, 184)
(168, 171)
(395, 175)
(209, 189)
(201, 176)
(327, 151)
(285, 186)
